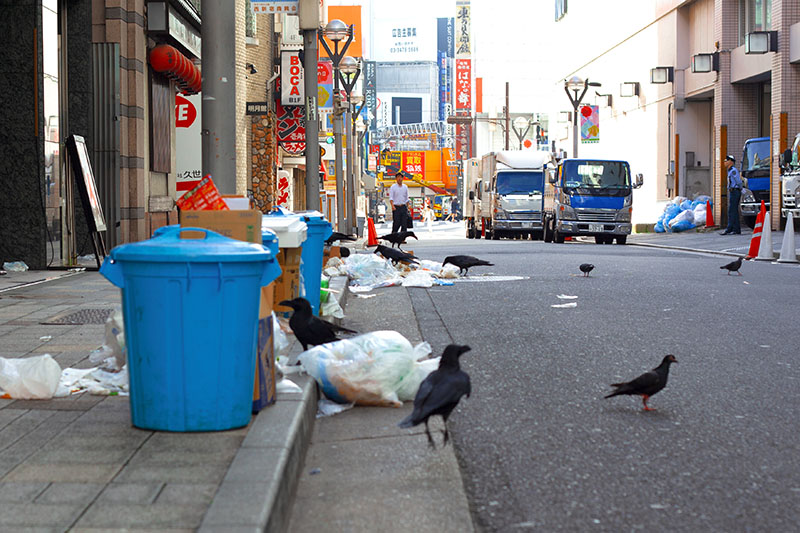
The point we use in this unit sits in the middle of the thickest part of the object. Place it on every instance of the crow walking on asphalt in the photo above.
(398, 238)
(648, 383)
(396, 256)
(586, 268)
(733, 266)
(440, 392)
(336, 236)
(308, 329)
(465, 262)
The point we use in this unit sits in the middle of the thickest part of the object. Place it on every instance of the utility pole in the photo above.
(508, 122)
(219, 94)
(308, 11)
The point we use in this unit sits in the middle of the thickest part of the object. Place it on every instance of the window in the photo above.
(754, 15)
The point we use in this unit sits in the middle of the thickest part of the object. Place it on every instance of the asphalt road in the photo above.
(539, 447)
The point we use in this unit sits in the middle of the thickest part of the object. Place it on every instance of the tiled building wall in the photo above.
(123, 22)
(242, 120)
(785, 93)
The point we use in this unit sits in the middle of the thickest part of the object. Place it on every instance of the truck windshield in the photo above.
(520, 182)
(756, 155)
(596, 174)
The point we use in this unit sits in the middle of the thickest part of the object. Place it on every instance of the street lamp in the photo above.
(578, 88)
(521, 126)
(336, 31)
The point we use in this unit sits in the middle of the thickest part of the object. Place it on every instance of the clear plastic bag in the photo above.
(32, 378)
(112, 355)
(366, 370)
(15, 266)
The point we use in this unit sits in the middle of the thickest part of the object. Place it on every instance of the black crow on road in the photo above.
(465, 262)
(398, 238)
(440, 392)
(733, 266)
(396, 256)
(586, 268)
(308, 329)
(648, 383)
(336, 236)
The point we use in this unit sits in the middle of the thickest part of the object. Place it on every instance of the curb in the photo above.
(258, 490)
(685, 249)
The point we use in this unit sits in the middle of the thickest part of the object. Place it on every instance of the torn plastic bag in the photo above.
(112, 355)
(32, 378)
(370, 270)
(408, 389)
(365, 370)
(418, 278)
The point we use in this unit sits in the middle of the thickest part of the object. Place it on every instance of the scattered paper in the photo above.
(366, 295)
(566, 297)
(564, 306)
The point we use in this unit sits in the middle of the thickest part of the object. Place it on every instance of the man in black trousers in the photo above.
(398, 198)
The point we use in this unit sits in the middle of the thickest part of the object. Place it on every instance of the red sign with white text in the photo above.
(463, 84)
(414, 163)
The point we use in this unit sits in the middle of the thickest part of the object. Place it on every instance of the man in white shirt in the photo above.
(398, 198)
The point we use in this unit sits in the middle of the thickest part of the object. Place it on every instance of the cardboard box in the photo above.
(244, 225)
(264, 386)
(291, 257)
(287, 287)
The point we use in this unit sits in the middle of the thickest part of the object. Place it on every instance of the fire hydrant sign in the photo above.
(292, 88)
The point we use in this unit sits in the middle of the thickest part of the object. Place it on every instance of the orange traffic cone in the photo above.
(709, 215)
(755, 241)
(372, 235)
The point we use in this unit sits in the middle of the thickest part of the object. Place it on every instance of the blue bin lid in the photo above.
(270, 240)
(168, 247)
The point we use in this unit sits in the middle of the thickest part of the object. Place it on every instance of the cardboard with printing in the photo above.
(244, 225)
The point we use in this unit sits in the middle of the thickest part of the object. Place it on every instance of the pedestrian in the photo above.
(454, 210)
(427, 216)
(398, 199)
(734, 196)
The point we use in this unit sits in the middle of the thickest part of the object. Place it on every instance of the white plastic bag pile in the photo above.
(31, 378)
(371, 271)
(381, 368)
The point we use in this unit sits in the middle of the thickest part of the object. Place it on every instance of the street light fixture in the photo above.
(337, 31)
(521, 127)
(578, 87)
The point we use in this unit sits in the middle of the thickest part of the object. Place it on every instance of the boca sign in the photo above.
(292, 88)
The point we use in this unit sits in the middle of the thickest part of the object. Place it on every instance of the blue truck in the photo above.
(755, 171)
(590, 197)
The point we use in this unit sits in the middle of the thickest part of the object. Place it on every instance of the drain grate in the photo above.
(84, 316)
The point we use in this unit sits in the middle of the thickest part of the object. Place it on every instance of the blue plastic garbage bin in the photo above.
(191, 315)
(318, 229)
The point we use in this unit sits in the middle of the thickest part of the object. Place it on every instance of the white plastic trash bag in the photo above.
(366, 370)
(700, 215)
(408, 389)
(32, 378)
(418, 278)
(370, 270)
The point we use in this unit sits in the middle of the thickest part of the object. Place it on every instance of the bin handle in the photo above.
(175, 234)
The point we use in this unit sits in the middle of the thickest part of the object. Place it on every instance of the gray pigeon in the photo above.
(586, 268)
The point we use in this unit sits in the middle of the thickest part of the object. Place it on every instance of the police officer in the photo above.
(734, 197)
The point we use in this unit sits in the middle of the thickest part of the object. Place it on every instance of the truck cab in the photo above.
(755, 174)
(790, 181)
(590, 197)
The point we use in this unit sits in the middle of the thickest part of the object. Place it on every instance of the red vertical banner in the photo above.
(464, 84)
(479, 95)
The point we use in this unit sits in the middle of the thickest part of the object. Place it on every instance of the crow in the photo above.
(733, 266)
(308, 329)
(586, 268)
(336, 236)
(648, 383)
(396, 256)
(398, 238)
(465, 262)
(440, 392)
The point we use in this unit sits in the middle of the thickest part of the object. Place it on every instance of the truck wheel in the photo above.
(750, 221)
(558, 238)
(622, 239)
(495, 235)
(609, 239)
(548, 230)
(599, 239)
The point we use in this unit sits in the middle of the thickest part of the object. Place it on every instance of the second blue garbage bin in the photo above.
(191, 313)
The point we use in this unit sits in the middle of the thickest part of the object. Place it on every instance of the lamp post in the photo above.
(349, 69)
(521, 127)
(336, 31)
(354, 161)
(577, 85)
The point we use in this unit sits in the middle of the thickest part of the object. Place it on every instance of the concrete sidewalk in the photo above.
(77, 464)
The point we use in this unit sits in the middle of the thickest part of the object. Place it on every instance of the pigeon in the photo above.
(396, 256)
(398, 238)
(586, 268)
(440, 392)
(733, 266)
(465, 262)
(308, 329)
(648, 383)
(336, 236)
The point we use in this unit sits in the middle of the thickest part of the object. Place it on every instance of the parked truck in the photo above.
(507, 195)
(590, 197)
(790, 181)
(755, 171)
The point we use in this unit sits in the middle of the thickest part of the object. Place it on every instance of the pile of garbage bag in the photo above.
(682, 214)
(381, 368)
(371, 271)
